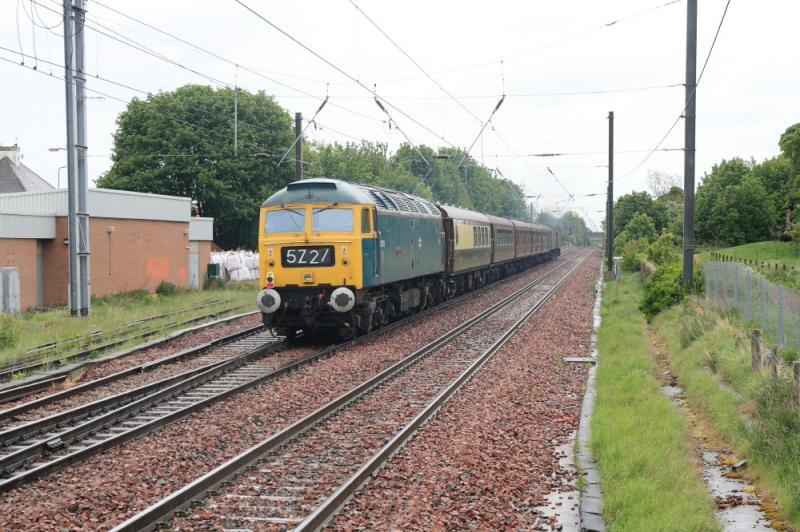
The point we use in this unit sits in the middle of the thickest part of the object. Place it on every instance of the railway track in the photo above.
(303, 474)
(43, 358)
(41, 446)
(21, 411)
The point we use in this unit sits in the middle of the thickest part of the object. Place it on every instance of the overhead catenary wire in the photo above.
(483, 128)
(126, 102)
(576, 153)
(416, 64)
(546, 45)
(300, 136)
(340, 70)
(134, 89)
(514, 95)
(123, 39)
(430, 167)
(252, 70)
(686, 105)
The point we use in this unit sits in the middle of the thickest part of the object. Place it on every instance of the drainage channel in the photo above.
(738, 504)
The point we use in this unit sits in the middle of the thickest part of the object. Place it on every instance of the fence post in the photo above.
(779, 318)
(736, 288)
(773, 363)
(796, 381)
(755, 349)
(762, 288)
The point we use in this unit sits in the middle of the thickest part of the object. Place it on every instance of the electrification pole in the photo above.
(298, 146)
(610, 196)
(79, 15)
(689, 141)
(72, 163)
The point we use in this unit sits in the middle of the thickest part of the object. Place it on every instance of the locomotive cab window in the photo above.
(332, 219)
(286, 221)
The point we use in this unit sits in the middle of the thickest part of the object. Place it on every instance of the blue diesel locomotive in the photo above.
(340, 256)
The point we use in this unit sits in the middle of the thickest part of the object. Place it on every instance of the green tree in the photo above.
(632, 254)
(641, 226)
(775, 175)
(180, 143)
(672, 200)
(638, 202)
(732, 205)
(571, 227)
(790, 146)
(663, 251)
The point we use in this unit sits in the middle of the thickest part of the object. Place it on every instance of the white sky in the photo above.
(748, 96)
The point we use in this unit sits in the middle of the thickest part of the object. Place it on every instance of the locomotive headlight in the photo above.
(268, 300)
(269, 252)
(344, 250)
(342, 299)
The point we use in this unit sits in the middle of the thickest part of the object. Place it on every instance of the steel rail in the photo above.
(7, 372)
(28, 387)
(331, 506)
(93, 337)
(106, 420)
(141, 368)
(103, 414)
(164, 509)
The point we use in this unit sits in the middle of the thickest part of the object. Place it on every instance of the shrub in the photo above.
(633, 253)
(662, 290)
(214, 283)
(662, 251)
(9, 331)
(788, 355)
(165, 288)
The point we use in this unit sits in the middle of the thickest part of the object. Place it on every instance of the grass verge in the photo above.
(22, 331)
(639, 440)
(709, 352)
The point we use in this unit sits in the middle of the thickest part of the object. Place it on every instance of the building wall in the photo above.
(204, 257)
(20, 253)
(135, 254)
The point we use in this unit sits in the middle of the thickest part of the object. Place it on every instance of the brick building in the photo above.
(136, 241)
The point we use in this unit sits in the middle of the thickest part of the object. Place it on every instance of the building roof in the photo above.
(16, 177)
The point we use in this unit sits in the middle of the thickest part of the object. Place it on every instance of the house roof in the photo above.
(20, 178)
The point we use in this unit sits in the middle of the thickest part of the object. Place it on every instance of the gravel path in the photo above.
(148, 355)
(488, 459)
(113, 486)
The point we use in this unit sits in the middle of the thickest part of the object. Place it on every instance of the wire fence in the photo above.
(773, 307)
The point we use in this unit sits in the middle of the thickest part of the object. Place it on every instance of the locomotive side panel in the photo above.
(406, 246)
